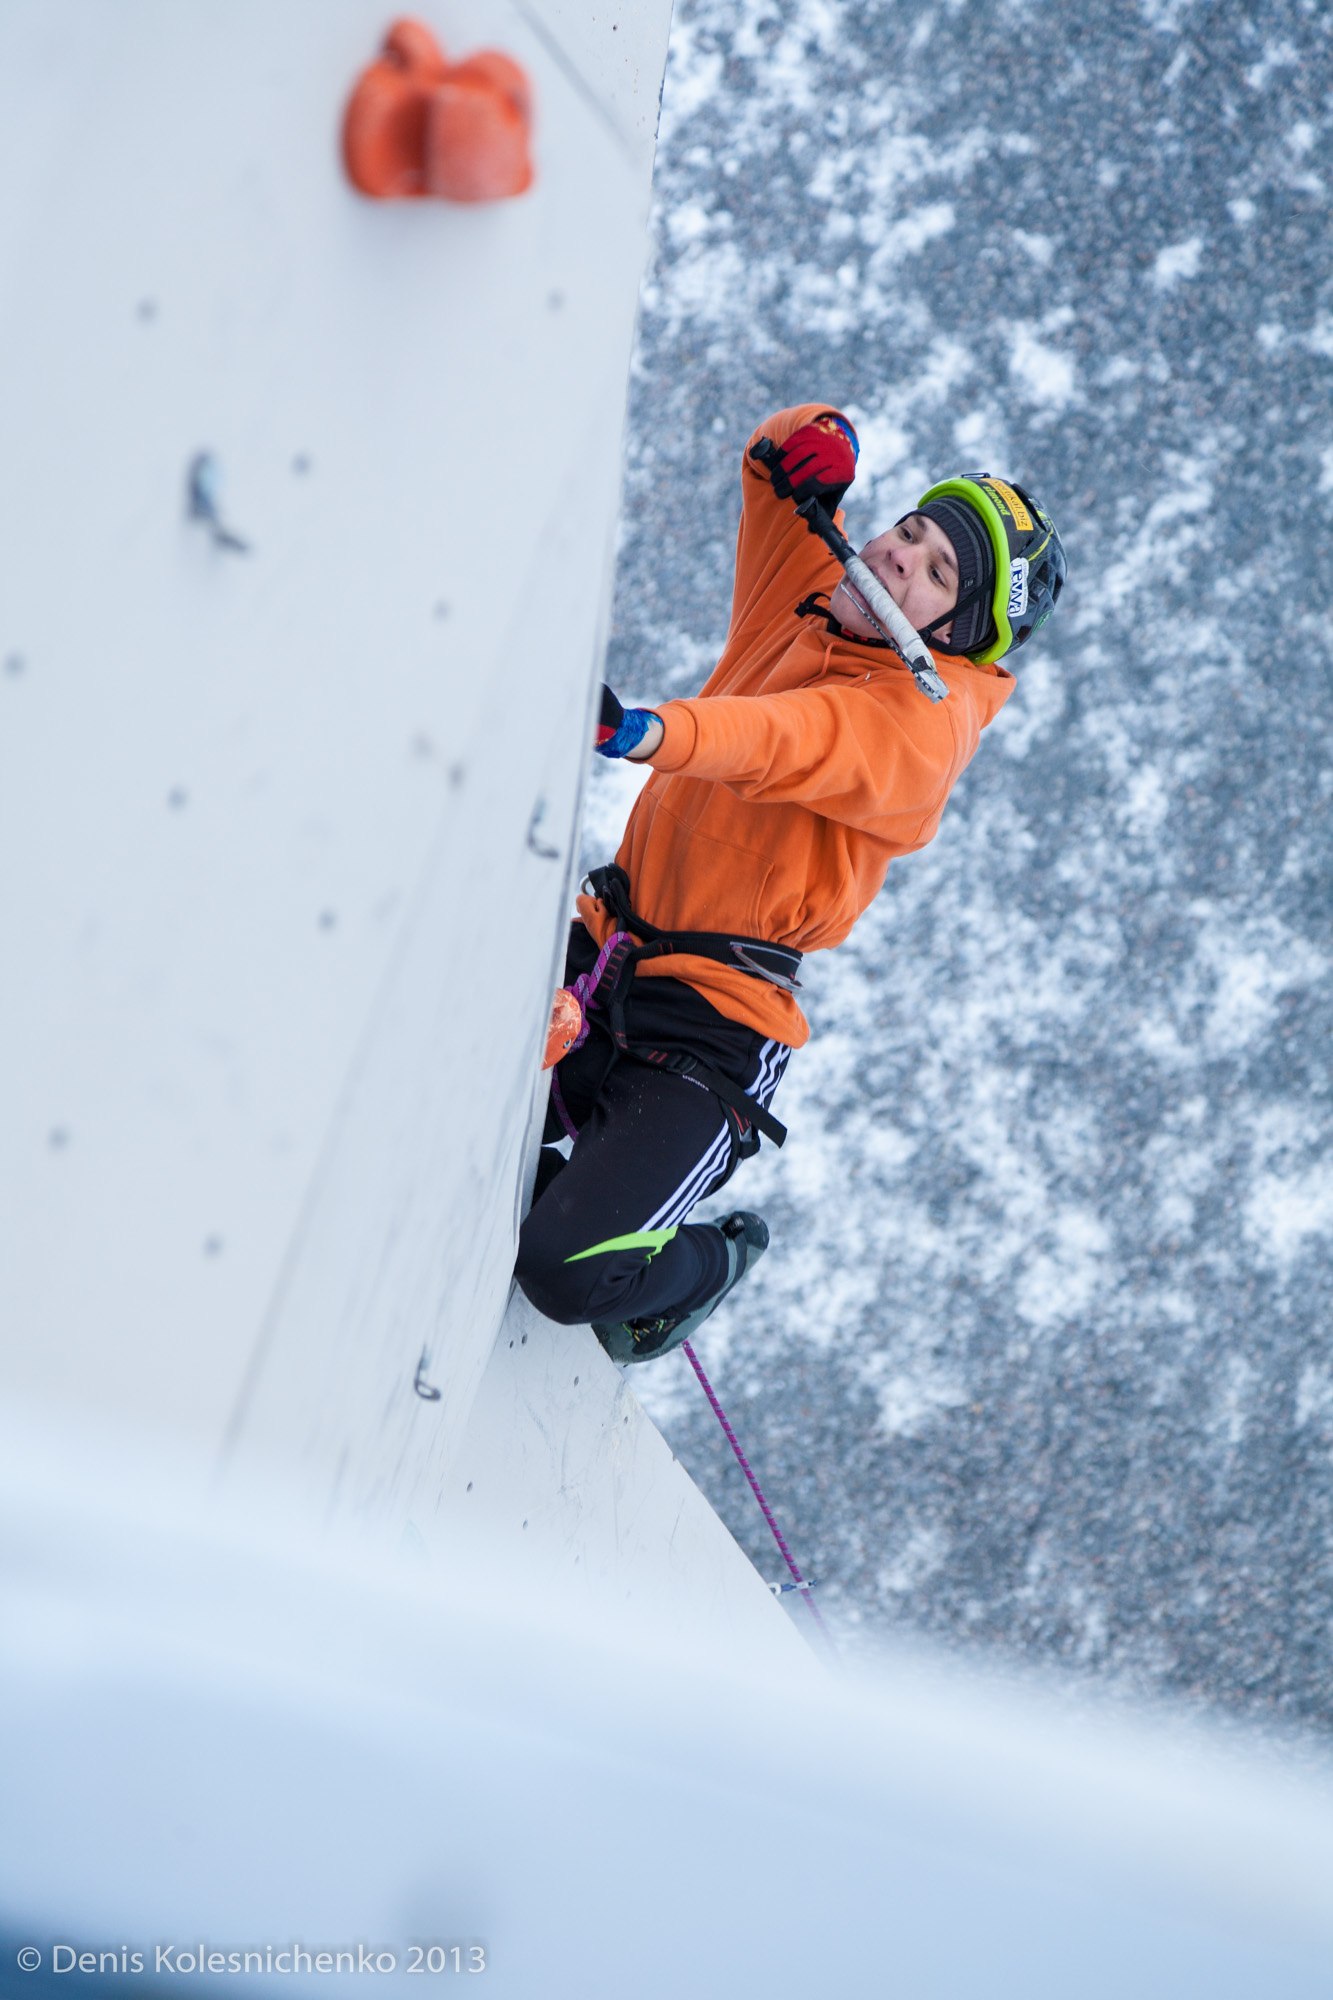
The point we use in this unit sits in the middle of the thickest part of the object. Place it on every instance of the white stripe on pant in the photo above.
(772, 1063)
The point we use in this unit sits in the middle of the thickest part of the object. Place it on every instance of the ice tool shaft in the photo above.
(879, 606)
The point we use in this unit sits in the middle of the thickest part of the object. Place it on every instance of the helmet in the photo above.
(1029, 557)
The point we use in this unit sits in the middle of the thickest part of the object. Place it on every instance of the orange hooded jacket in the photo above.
(781, 793)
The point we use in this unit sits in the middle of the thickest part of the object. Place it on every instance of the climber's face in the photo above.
(917, 566)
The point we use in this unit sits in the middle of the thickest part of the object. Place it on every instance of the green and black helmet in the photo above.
(1009, 577)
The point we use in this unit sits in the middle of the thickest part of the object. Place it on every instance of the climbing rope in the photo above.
(778, 1536)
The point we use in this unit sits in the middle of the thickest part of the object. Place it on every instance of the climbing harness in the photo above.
(606, 989)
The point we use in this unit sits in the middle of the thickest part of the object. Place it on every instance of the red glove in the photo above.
(818, 461)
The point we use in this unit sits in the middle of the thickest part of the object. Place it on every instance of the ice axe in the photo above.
(878, 605)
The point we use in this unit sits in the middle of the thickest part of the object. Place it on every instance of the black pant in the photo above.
(605, 1236)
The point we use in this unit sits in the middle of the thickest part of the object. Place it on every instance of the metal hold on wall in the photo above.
(426, 1390)
(535, 843)
(203, 501)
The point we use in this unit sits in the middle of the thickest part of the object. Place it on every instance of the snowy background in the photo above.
(1039, 1361)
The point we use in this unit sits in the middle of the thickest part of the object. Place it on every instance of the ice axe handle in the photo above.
(894, 624)
(868, 588)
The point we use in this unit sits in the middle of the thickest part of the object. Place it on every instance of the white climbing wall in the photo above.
(286, 831)
(289, 827)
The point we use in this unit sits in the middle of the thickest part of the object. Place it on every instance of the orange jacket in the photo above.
(782, 792)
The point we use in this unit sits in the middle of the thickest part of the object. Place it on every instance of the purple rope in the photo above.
(587, 983)
(778, 1536)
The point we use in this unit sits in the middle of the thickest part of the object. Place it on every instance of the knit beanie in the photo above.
(973, 626)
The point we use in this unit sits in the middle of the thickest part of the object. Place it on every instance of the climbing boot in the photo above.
(745, 1236)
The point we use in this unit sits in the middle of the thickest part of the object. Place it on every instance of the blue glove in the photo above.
(621, 729)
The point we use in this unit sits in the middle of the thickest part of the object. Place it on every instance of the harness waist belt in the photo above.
(777, 963)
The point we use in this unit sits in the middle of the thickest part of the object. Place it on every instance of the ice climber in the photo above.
(780, 794)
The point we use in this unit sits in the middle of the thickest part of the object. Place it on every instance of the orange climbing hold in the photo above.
(566, 1026)
(418, 126)
(384, 128)
(477, 131)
